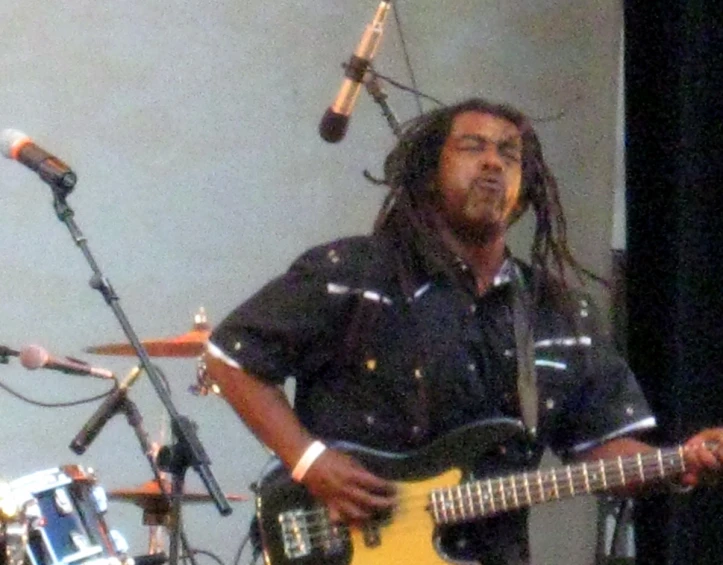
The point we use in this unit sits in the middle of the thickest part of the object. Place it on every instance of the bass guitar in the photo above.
(434, 491)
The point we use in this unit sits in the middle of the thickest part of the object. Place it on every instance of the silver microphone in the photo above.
(35, 357)
(336, 119)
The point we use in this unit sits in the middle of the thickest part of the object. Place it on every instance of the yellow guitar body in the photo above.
(408, 538)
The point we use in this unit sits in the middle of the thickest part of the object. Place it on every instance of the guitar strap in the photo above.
(525, 349)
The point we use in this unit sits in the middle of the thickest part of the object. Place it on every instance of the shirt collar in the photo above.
(505, 275)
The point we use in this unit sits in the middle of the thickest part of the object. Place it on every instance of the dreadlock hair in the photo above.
(410, 171)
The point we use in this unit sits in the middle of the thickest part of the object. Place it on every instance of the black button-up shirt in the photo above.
(393, 370)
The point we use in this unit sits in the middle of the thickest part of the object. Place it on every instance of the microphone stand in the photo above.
(133, 415)
(187, 450)
(380, 97)
(371, 82)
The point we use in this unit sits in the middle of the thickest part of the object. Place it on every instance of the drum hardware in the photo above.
(61, 520)
(204, 384)
(156, 507)
(149, 495)
(13, 525)
(189, 344)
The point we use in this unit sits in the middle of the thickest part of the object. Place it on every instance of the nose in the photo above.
(490, 159)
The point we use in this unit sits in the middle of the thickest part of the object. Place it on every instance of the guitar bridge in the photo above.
(299, 541)
(295, 533)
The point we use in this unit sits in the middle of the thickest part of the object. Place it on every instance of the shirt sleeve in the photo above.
(605, 400)
(289, 325)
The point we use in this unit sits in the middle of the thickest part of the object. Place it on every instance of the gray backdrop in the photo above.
(193, 128)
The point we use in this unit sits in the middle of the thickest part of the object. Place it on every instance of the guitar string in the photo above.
(551, 480)
(578, 478)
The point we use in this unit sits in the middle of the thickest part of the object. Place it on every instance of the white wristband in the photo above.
(307, 460)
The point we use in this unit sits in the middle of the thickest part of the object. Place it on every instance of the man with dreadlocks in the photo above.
(402, 340)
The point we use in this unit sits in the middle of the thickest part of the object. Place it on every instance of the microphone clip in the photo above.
(356, 69)
(6, 353)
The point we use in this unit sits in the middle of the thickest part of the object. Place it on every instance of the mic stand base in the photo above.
(173, 500)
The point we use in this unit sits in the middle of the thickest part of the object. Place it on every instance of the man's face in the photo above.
(479, 176)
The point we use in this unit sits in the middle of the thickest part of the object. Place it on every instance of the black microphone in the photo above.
(105, 412)
(18, 146)
(336, 119)
(35, 357)
(5, 351)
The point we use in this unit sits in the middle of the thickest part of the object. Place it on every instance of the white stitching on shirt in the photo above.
(373, 295)
(583, 340)
(215, 351)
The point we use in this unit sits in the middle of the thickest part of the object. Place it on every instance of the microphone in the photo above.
(35, 357)
(105, 412)
(18, 146)
(5, 351)
(336, 119)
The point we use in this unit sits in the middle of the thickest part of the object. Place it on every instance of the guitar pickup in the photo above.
(371, 535)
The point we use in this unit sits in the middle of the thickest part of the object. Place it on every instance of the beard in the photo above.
(476, 232)
(479, 221)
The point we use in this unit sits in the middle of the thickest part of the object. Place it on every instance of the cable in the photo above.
(407, 60)
(241, 547)
(53, 404)
(252, 533)
(213, 556)
(411, 89)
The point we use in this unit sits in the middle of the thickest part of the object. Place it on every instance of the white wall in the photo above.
(193, 129)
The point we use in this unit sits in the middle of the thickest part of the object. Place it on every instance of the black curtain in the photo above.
(674, 276)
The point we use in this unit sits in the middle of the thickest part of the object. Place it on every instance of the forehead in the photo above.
(488, 126)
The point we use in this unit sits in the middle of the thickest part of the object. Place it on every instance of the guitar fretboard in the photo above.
(484, 497)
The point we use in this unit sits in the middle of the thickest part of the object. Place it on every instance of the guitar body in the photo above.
(295, 530)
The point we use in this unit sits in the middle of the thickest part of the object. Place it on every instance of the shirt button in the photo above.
(629, 410)
(418, 374)
(416, 430)
(370, 364)
(370, 419)
(550, 403)
(472, 308)
(472, 367)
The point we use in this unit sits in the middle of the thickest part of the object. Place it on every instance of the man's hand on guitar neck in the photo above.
(703, 455)
(351, 493)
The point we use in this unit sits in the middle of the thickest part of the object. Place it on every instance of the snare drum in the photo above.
(65, 521)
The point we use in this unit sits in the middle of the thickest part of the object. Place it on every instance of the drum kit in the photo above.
(57, 516)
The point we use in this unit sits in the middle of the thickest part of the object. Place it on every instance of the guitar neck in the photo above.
(485, 497)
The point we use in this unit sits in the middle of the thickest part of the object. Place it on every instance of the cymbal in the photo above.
(190, 344)
(148, 495)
